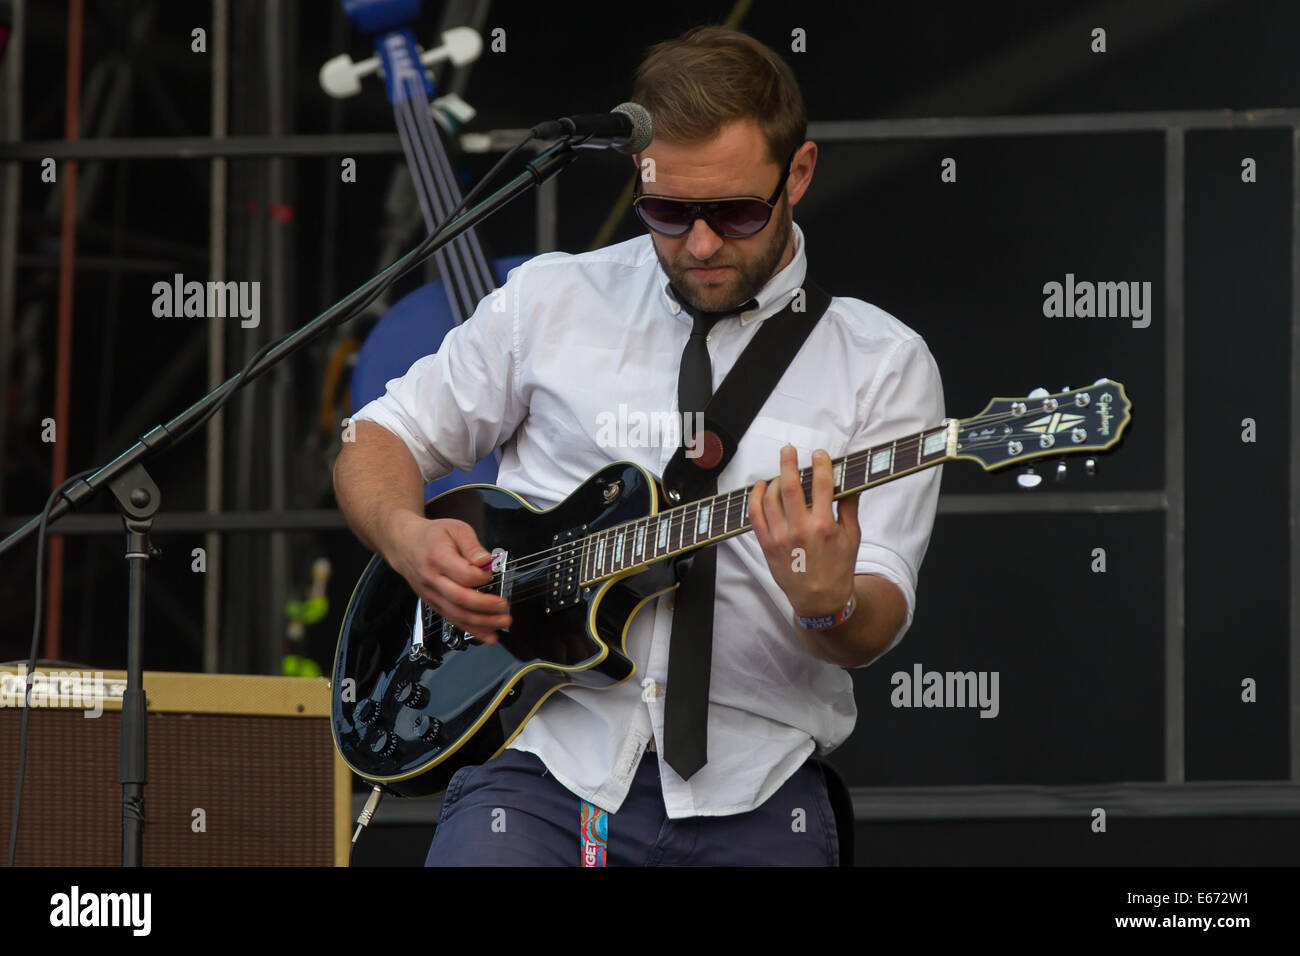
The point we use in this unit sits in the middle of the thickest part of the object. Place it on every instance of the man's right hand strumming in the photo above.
(442, 560)
(381, 494)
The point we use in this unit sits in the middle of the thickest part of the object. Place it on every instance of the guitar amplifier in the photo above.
(242, 770)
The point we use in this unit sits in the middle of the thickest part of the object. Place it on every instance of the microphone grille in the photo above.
(643, 127)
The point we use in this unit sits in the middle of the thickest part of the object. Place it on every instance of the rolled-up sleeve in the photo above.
(455, 406)
(897, 517)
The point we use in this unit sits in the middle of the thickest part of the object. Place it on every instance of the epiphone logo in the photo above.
(1103, 409)
(1056, 422)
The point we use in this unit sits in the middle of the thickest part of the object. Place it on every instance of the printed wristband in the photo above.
(830, 620)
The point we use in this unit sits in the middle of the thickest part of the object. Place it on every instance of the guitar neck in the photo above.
(698, 524)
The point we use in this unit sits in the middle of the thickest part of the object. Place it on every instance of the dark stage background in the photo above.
(1121, 690)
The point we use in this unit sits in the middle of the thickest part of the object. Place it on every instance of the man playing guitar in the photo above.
(815, 590)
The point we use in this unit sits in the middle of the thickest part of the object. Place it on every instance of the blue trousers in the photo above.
(512, 812)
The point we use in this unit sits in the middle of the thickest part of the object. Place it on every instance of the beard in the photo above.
(746, 277)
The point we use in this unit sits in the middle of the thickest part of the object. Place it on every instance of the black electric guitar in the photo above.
(415, 698)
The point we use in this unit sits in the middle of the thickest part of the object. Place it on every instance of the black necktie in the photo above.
(690, 651)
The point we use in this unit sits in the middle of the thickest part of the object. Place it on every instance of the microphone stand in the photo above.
(138, 497)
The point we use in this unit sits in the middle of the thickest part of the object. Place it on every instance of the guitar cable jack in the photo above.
(367, 811)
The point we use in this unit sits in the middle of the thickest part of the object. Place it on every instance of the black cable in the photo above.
(473, 193)
(31, 657)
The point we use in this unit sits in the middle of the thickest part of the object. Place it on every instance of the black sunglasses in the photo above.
(732, 217)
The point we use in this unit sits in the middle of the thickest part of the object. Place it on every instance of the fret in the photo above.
(839, 475)
(681, 532)
(859, 481)
(726, 512)
(744, 513)
(936, 443)
(882, 460)
(918, 449)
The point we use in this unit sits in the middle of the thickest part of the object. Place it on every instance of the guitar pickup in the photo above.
(562, 585)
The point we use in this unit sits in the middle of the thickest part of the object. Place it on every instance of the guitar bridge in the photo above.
(426, 621)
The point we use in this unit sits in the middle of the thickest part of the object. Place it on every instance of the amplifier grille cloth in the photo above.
(265, 784)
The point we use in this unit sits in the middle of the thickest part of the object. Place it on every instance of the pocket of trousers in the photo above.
(454, 787)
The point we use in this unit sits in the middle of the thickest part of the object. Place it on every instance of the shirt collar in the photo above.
(772, 298)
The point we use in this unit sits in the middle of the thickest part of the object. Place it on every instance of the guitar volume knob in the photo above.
(428, 728)
(410, 694)
(384, 744)
(367, 711)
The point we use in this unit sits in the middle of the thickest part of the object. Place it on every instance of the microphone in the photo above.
(626, 128)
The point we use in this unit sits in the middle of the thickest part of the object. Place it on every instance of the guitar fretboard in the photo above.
(708, 520)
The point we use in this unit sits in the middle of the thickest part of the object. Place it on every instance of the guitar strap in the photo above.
(695, 466)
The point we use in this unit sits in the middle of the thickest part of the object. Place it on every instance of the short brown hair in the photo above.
(707, 77)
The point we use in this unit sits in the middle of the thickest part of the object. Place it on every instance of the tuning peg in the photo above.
(1030, 478)
(1066, 388)
(340, 77)
(461, 45)
(1102, 381)
(1060, 470)
(1039, 392)
(1090, 466)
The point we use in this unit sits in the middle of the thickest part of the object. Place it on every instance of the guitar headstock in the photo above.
(1011, 430)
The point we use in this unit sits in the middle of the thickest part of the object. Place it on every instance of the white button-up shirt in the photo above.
(563, 367)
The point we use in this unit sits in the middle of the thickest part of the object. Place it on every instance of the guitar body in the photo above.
(461, 702)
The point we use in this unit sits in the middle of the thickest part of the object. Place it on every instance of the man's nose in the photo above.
(702, 242)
